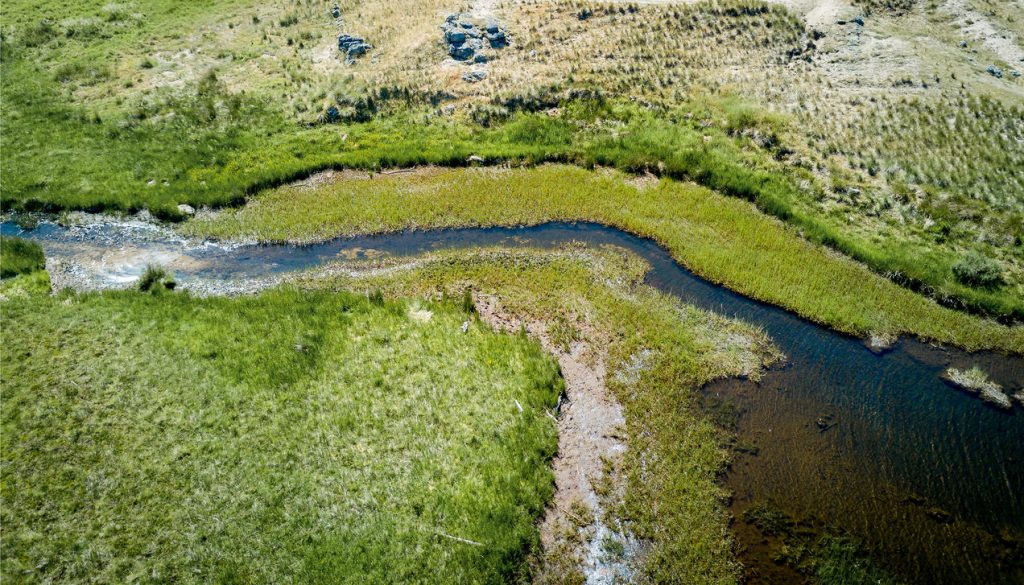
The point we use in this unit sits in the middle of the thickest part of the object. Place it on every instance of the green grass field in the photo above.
(307, 437)
(20, 256)
(352, 436)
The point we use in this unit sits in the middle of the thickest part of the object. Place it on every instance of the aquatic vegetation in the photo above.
(768, 520)
(976, 381)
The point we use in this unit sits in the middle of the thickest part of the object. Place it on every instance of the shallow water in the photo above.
(927, 476)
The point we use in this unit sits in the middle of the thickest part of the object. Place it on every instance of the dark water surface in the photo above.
(837, 438)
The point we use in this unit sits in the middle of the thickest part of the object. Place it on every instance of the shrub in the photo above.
(19, 256)
(977, 270)
(376, 297)
(468, 306)
(155, 279)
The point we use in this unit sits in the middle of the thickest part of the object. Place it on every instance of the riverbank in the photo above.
(591, 310)
(723, 239)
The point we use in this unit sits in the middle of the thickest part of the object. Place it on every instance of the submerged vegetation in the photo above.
(311, 436)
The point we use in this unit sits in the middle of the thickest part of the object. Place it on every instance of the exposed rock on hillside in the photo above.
(352, 46)
(465, 39)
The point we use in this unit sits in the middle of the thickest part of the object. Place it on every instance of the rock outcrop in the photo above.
(465, 39)
(352, 46)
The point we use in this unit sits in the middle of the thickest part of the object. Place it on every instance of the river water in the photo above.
(838, 438)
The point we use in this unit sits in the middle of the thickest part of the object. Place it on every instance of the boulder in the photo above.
(352, 46)
(336, 11)
(345, 41)
(474, 76)
(460, 52)
(186, 209)
(994, 71)
(464, 38)
(358, 49)
(497, 39)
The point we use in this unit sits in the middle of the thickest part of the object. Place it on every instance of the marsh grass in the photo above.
(307, 436)
(721, 238)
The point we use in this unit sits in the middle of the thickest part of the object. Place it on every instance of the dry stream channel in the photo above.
(838, 438)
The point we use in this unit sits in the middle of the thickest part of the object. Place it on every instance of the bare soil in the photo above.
(589, 422)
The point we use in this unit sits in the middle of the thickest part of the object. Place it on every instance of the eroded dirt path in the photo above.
(590, 432)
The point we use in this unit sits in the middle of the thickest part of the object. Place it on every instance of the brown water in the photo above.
(837, 439)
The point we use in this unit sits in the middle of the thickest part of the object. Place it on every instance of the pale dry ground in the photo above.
(590, 425)
(549, 44)
(891, 119)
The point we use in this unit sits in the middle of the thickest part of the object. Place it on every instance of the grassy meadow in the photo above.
(285, 437)
(724, 239)
(329, 435)
(344, 428)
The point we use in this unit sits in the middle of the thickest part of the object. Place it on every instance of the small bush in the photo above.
(19, 256)
(155, 279)
(977, 270)
(376, 297)
(467, 302)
